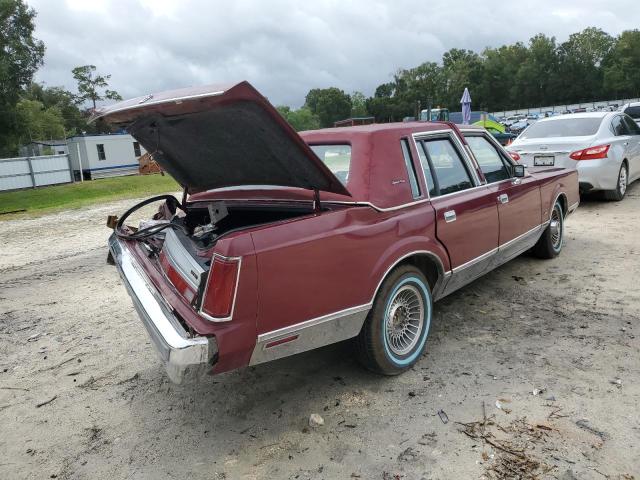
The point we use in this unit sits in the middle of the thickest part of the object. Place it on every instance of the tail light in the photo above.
(591, 153)
(220, 290)
(515, 156)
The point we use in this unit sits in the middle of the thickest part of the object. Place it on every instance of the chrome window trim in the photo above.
(411, 169)
(235, 291)
(491, 139)
(459, 147)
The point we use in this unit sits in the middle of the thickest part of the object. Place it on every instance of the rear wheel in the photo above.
(550, 243)
(621, 187)
(395, 332)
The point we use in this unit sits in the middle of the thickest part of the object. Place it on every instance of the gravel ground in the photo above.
(536, 367)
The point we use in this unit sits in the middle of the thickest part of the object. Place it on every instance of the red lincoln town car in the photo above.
(284, 242)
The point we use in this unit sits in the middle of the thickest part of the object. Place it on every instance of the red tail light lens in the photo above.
(220, 291)
(591, 153)
(515, 156)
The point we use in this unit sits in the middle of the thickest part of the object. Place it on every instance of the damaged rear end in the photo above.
(191, 270)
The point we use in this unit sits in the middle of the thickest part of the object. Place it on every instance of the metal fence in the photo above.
(27, 172)
(567, 107)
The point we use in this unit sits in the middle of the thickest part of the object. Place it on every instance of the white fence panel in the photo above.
(25, 172)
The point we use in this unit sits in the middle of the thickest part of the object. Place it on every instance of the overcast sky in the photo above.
(285, 48)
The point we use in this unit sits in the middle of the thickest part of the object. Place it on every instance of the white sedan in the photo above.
(603, 146)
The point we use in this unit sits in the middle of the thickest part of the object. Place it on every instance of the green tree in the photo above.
(461, 68)
(37, 122)
(329, 104)
(537, 80)
(358, 105)
(301, 119)
(622, 66)
(20, 56)
(90, 84)
(581, 73)
(75, 120)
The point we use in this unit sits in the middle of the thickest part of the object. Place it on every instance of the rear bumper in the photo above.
(181, 353)
(601, 174)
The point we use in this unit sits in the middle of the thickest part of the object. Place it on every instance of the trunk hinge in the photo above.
(184, 198)
(316, 201)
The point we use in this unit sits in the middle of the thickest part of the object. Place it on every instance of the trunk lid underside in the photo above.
(221, 136)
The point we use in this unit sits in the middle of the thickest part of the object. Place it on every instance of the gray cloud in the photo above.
(285, 48)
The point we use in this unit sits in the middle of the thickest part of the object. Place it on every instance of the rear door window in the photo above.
(491, 162)
(450, 174)
(411, 172)
(631, 126)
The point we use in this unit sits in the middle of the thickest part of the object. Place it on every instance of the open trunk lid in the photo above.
(221, 136)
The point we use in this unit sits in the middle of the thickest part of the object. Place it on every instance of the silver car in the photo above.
(603, 146)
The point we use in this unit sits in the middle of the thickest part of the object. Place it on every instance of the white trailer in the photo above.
(99, 156)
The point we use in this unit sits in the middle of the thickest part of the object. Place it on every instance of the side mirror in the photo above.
(518, 171)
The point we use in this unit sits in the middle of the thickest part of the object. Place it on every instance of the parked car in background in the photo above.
(603, 146)
(519, 126)
(633, 110)
(285, 242)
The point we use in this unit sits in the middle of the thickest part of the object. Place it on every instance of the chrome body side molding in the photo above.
(309, 334)
(471, 270)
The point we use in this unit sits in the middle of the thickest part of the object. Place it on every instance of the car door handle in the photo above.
(504, 198)
(450, 216)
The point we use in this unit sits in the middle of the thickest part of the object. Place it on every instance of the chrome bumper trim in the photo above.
(179, 352)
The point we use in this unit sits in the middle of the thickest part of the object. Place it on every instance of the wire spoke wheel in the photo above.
(404, 320)
(556, 228)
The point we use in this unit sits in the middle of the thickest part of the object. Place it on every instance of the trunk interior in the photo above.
(204, 233)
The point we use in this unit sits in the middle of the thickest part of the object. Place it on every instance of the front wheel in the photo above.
(550, 243)
(621, 187)
(395, 332)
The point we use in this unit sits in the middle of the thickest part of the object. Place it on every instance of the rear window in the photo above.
(633, 112)
(337, 158)
(567, 127)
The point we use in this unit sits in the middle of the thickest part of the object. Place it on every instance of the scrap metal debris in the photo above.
(443, 416)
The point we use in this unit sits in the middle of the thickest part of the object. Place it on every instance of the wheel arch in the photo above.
(564, 203)
(427, 262)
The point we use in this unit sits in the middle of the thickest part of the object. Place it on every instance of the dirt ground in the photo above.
(552, 343)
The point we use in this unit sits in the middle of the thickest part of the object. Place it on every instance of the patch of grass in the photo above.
(75, 195)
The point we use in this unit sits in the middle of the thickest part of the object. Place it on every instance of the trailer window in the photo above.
(136, 149)
(101, 155)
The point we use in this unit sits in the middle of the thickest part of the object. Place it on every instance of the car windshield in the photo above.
(633, 112)
(566, 127)
(337, 158)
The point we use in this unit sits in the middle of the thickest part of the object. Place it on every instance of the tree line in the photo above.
(31, 111)
(590, 65)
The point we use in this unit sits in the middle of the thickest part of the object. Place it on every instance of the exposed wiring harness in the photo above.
(172, 202)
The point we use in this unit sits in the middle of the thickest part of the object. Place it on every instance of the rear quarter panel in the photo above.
(554, 182)
(327, 263)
